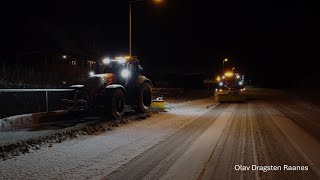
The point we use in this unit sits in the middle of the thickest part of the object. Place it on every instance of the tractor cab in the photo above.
(123, 67)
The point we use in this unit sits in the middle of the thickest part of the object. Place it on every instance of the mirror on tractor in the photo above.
(141, 70)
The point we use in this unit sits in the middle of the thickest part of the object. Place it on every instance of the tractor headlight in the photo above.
(106, 60)
(125, 73)
(91, 73)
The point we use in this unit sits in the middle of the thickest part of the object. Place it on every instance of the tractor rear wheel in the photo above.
(144, 99)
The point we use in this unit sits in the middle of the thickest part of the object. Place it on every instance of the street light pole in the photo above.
(130, 29)
(225, 60)
(130, 22)
(222, 66)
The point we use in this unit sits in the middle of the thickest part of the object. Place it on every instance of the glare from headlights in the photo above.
(106, 60)
(220, 84)
(125, 73)
(228, 74)
(121, 59)
(91, 73)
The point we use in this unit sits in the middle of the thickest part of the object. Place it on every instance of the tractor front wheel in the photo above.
(116, 103)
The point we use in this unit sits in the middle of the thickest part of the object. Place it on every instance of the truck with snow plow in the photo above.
(120, 84)
(230, 88)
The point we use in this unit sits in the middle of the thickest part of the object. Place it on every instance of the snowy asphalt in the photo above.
(192, 140)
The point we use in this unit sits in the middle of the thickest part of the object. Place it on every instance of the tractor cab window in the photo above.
(134, 68)
(113, 67)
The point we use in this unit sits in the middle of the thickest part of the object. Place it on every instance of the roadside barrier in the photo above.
(24, 101)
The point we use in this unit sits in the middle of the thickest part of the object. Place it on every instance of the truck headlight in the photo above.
(125, 73)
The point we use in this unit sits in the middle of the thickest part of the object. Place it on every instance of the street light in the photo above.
(158, 1)
(130, 21)
(225, 60)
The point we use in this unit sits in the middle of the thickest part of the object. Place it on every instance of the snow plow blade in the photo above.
(229, 97)
(157, 105)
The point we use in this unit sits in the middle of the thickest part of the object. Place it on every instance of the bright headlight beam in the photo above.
(106, 60)
(228, 74)
(91, 73)
(220, 84)
(125, 73)
(121, 59)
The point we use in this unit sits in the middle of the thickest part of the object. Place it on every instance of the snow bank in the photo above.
(24, 120)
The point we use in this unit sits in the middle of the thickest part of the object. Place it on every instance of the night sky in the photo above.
(275, 43)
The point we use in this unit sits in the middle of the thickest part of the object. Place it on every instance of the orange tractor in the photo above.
(121, 83)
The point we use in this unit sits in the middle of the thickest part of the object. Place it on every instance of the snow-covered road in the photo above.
(192, 140)
(98, 155)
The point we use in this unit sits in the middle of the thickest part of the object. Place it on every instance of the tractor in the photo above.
(121, 83)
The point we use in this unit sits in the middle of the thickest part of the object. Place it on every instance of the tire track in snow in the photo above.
(177, 144)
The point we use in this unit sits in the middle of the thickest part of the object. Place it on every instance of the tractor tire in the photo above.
(144, 100)
(115, 104)
(85, 96)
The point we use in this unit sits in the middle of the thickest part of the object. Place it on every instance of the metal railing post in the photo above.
(47, 103)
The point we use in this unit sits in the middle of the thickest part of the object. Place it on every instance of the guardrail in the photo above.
(25, 101)
(22, 101)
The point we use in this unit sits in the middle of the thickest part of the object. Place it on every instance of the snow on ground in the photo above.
(93, 156)
(16, 141)
(258, 132)
(307, 145)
